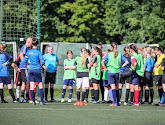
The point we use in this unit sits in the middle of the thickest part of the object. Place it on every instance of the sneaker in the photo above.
(125, 103)
(33, 103)
(62, 100)
(134, 104)
(3, 101)
(22, 100)
(69, 100)
(42, 103)
(77, 103)
(83, 104)
(15, 101)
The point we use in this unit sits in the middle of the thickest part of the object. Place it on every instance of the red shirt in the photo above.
(102, 68)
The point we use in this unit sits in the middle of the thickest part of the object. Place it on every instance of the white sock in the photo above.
(105, 94)
(17, 92)
(110, 95)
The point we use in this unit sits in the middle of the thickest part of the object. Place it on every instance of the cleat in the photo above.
(46, 100)
(162, 105)
(130, 103)
(77, 103)
(18, 99)
(91, 101)
(22, 100)
(83, 104)
(3, 101)
(125, 103)
(69, 100)
(134, 104)
(37, 102)
(42, 103)
(62, 100)
(150, 103)
(110, 101)
(118, 104)
(33, 103)
(141, 103)
(112, 105)
(52, 100)
(30, 101)
(95, 102)
(15, 101)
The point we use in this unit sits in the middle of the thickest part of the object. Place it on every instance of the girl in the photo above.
(138, 72)
(50, 62)
(113, 67)
(82, 76)
(35, 70)
(148, 78)
(69, 75)
(95, 71)
(5, 58)
(125, 76)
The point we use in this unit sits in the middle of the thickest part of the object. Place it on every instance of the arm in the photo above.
(126, 63)
(58, 64)
(21, 56)
(15, 67)
(103, 61)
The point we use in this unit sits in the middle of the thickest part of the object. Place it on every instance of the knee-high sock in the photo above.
(152, 94)
(102, 89)
(12, 94)
(32, 95)
(34, 91)
(22, 93)
(41, 94)
(136, 96)
(78, 95)
(83, 94)
(51, 93)
(163, 98)
(160, 91)
(120, 93)
(92, 93)
(110, 95)
(17, 92)
(46, 93)
(114, 96)
(1, 94)
(96, 95)
(27, 90)
(63, 93)
(71, 92)
(146, 95)
(87, 93)
(105, 94)
(141, 96)
(117, 96)
(127, 95)
(132, 97)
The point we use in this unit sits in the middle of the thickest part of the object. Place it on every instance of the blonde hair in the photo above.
(1, 48)
(84, 57)
(126, 50)
(150, 52)
(46, 49)
(114, 49)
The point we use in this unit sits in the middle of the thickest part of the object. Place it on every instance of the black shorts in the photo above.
(148, 79)
(18, 79)
(163, 78)
(90, 83)
(24, 74)
(82, 74)
(126, 76)
(50, 78)
(158, 80)
(94, 81)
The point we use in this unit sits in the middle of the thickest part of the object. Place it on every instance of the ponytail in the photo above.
(133, 46)
(1, 48)
(126, 50)
(114, 49)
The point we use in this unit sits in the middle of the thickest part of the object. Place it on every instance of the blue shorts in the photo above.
(113, 78)
(35, 75)
(5, 80)
(69, 82)
(105, 83)
(136, 79)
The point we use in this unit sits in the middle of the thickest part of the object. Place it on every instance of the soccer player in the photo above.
(148, 70)
(24, 70)
(51, 68)
(18, 80)
(163, 83)
(35, 57)
(125, 76)
(138, 72)
(69, 75)
(5, 58)
(114, 60)
(99, 45)
(82, 76)
(95, 71)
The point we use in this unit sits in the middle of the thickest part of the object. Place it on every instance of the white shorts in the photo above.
(82, 81)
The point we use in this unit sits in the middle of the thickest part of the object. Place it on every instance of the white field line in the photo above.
(54, 109)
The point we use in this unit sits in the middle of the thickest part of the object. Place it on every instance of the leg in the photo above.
(18, 92)
(105, 93)
(120, 90)
(96, 88)
(51, 91)
(127, 92)
(1, 92)
(11, 91)
(23, 89)
(101, 86)
(32, 91)
(70, 91)
(41, 91)
(64, 91)
(46, 91)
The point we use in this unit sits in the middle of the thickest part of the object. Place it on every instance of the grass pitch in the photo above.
(58, 113)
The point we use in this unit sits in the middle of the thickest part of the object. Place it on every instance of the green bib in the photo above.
(69, 73)
(96, 71)
(114, 64)
(105, 75)
(79, 68)
(139, 67)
